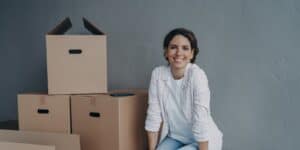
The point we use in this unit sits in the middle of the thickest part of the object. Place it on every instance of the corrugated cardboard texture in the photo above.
(41, 112)
(23, 146)
(120, 125)
(60, 141)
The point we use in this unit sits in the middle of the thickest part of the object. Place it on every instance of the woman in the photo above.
(179, 100)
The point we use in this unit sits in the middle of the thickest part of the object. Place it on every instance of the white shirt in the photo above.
(196, 93)
(180, 127)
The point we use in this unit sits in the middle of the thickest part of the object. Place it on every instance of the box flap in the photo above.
(66, 24)
(89, 26)
(23, 146)
(61, 28)
(60, 141)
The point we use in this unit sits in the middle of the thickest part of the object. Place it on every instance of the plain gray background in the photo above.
(248, 48)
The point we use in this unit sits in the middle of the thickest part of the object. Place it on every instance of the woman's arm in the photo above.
(152, 140)
(153, 119)
(201, 109)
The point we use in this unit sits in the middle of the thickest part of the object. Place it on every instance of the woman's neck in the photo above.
(177, 73)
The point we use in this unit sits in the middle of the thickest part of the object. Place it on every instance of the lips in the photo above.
(178, 59)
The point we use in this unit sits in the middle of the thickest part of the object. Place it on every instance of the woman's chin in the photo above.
(178, 65)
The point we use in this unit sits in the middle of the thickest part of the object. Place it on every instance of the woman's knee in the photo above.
(189, 147)
(169, 144)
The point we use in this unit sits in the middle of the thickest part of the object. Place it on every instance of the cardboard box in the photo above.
(42, 112)
(76, 64)
(110, 122)
(23, 146)
(59, 140)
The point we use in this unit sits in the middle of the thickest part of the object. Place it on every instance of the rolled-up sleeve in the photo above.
(201, 106)
(153, 119)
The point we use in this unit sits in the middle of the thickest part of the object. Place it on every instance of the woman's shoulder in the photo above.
(160, 69)
(198, 78)
(196, 70)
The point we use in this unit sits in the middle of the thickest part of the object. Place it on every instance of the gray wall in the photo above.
(249, 50)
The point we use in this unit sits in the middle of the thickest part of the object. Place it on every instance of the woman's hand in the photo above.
(152, 140)
(203, 145)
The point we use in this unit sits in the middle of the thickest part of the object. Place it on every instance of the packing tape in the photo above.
(92, 100)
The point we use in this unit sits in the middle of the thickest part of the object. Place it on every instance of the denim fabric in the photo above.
(172, 144)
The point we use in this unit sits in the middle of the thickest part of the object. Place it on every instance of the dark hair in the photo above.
(186, 33)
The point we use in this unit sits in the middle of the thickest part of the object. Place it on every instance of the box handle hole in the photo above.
(75, 51)
(95, 114)
(43, 111)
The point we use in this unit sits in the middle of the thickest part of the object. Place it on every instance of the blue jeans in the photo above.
(171, 144)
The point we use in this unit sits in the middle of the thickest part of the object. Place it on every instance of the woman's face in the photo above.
(179, 52)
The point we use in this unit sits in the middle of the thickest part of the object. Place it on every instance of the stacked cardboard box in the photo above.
(78, 102)
(42, 112)
(112, 121)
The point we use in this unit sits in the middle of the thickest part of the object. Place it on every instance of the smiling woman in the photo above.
(179, 100)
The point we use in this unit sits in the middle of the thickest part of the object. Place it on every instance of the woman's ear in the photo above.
(165, 54)
(193, 51)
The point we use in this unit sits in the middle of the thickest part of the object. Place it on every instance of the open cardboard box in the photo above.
(23, 146)
(60, 141)
(76, 64)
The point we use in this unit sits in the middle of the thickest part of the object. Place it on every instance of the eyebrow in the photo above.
(177, 45)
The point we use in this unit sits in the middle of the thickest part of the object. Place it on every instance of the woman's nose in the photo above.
(178, 51)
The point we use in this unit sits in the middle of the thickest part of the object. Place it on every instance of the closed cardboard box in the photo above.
(42, 112)
(76, 64)
(23, 146)
(59, 140)
(113, 121)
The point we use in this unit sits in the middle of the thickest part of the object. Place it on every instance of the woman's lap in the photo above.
(172, 144)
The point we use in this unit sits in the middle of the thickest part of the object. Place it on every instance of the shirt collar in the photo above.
(167, 74)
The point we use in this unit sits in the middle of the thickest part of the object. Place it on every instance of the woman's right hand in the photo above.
(152, 140)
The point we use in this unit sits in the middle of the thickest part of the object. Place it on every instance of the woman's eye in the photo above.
(173, 47)
(186, 48)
